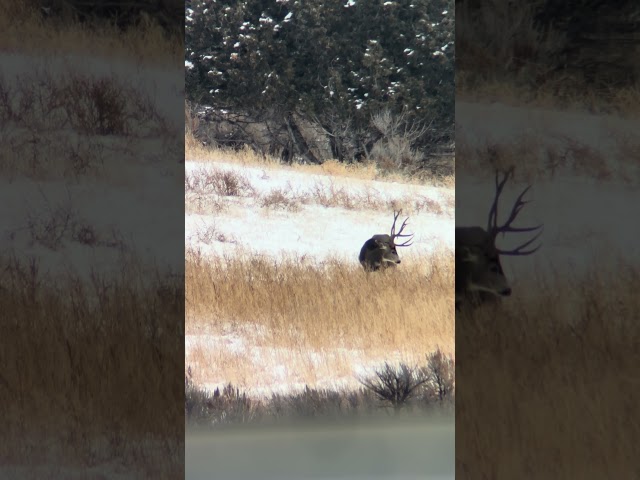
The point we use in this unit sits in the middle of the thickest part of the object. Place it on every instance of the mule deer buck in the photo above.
(379, 252)
(479, 275)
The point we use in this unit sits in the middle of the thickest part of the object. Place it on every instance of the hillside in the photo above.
(295, 227)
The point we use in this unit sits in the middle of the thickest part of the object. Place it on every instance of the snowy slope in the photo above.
(134, 181)
(316, 231)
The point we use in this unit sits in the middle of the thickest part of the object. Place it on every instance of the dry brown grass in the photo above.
(196, 152)
(315, 318)
(299, 304)
(92, 367)
(545, 386)
(25, 30)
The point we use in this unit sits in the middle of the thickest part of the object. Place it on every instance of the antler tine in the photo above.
(515, 210)
(400, 234)
(393, 227)
(519, 249)
(492, 223)
(407, 243)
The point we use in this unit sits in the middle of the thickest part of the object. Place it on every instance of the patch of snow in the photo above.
(318, 232)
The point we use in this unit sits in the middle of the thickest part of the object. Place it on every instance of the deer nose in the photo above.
(506, 292)
(398, 261)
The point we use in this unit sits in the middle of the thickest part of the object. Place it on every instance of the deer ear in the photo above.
(469, 254)
(382, 244)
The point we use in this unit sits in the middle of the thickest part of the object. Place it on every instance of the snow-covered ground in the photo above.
(315, 231)
(112, 212)
(127, 202)
(586, 221)
(279, 370)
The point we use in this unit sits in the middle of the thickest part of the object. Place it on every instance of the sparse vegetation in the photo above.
(212, 188)
(391, 390)
(59, 128)
(280, 199)
(538, 158)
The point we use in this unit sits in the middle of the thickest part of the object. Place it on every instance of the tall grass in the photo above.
(304, 305)
(26, 30)
(276, 325)
(546, 386)
(91, 370)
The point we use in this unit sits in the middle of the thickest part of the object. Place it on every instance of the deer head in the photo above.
(379, 252)
(479, 274)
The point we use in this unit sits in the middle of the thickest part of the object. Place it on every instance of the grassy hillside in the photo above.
(276, 299)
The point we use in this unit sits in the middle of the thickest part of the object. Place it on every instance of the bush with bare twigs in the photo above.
(400, 388)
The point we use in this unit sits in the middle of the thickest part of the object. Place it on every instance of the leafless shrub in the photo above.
(398, 126)
(209, 234)
(334, 196)
(50, 227)
(220, 407)
(282, 199)
(226, 183)
(204, 204)
(422, 202)
(84, 156)
(394, 154)
(440, 374)
(97, 106)
(586, 160)
(86, 235)
(395, 386)
(394, 150)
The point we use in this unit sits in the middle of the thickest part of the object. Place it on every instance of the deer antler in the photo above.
(395, 235)
(494, 229)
